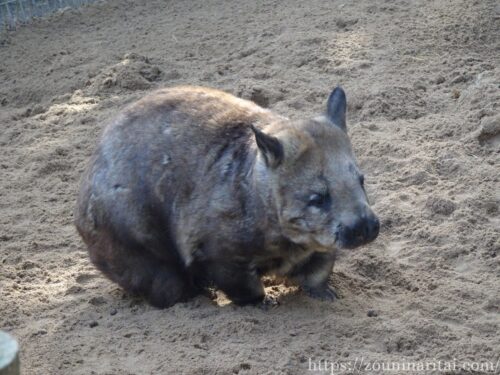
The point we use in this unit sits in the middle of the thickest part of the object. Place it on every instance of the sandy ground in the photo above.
(423, 81)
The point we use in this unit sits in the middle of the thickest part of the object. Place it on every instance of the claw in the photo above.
(269, 302)
(323, 293)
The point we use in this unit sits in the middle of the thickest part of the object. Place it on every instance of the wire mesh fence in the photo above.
(14, 12)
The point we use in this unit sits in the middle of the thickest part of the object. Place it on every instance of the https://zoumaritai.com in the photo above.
(361, 366)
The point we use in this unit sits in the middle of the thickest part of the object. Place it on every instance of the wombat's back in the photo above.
(181, 126)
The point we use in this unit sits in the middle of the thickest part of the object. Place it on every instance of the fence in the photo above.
(14, 12)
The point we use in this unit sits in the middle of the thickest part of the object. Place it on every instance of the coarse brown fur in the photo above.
(191, 187)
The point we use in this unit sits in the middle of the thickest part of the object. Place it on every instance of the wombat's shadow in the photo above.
(102, 295)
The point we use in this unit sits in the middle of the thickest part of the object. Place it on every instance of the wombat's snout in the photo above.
(362, 230)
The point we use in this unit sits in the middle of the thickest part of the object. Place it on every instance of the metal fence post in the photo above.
(14, 11)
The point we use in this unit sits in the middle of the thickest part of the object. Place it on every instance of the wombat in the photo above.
(191, 188)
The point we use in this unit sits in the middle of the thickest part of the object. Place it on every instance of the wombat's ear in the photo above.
(270, 147)
(336, 108)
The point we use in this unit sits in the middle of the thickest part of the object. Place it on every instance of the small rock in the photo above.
(372, 313)
(342, 23)
(245, 366)
(439, 80)
(419, 86)
(432, 286)
(440, 206)
(97, 301)
(113, 312)
(93, 324)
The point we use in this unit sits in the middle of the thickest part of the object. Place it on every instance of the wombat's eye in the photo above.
(318, 200)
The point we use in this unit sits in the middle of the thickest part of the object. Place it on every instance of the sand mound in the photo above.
(133, 72)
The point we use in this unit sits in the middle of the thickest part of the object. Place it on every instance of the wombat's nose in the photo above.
(365, 229)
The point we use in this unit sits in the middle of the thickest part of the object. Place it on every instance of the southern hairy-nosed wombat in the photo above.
(191, 187)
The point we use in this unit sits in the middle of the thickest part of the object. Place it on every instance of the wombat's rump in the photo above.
(192, 187)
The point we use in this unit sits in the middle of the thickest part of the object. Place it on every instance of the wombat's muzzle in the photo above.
(362, 230)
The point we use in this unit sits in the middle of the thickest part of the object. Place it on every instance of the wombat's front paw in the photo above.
(324, 293)
(269, 302)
